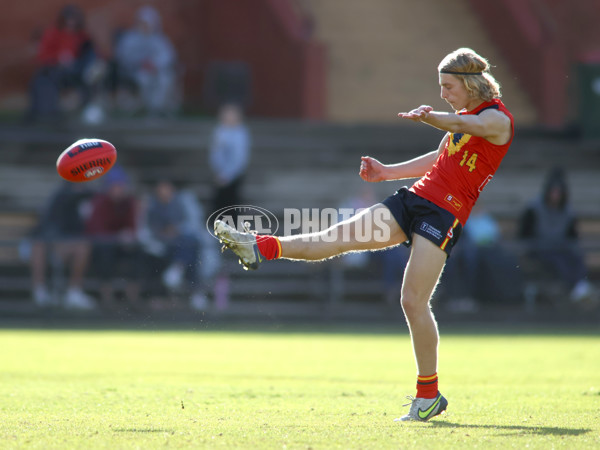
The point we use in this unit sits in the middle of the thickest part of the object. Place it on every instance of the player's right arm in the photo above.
(374, 171)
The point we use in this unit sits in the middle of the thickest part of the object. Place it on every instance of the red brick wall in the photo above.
(288, 72)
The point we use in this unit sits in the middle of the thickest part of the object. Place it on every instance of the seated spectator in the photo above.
(548, 227)
(66, 59)
(112, 228)
(171, 231)
(59, 236)
(480, 269)
(146, 57)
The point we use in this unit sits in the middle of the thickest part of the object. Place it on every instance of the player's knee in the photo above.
(413, 302)
(408, 304)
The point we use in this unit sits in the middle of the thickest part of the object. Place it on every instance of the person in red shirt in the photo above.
(428, 217)
(65, 59)
(112, 228)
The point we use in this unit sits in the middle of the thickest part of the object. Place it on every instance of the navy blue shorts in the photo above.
(414, 214)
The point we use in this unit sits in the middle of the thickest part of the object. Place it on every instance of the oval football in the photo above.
(86, 160)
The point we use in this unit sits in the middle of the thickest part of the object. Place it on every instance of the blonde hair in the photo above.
(462, 63)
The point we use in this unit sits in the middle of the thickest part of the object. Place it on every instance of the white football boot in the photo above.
(241, 243)
(423, 409)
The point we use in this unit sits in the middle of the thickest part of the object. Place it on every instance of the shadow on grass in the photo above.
(542, 431)
(142, 430)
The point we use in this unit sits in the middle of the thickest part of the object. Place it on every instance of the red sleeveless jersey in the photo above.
(463, 169)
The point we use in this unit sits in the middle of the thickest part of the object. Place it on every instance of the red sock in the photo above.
(268, 246)
(427, 386)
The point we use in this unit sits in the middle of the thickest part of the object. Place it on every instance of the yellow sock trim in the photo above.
(427, 378)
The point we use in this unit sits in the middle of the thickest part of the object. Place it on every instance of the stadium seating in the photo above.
(294, 164)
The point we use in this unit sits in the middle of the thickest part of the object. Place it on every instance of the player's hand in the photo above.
(417, 114)
(371, 170)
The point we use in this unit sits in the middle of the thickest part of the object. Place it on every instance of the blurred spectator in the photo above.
(59, 237)
(171, 231)
(66, 59)
(228, 157)
(229, 154)
(549, 228)
(481, 269)
(112, 227)
(146, 57)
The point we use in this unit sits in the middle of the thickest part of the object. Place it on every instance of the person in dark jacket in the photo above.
(171, 231)
(549, 227)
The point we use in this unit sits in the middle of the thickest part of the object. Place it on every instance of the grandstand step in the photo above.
(293, 165)
(379, 63)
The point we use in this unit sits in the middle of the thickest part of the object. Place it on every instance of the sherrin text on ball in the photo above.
(86, 160)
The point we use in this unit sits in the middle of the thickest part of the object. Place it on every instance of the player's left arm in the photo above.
(490, 124)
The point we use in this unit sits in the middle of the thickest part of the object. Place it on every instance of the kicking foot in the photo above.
(242, 244)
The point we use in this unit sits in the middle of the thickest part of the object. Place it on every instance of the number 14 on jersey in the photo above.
(469, 161)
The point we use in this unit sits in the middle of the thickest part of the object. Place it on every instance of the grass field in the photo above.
(296, 388)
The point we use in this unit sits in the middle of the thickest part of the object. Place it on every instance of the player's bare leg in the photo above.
(371, 229)
(420, 278)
